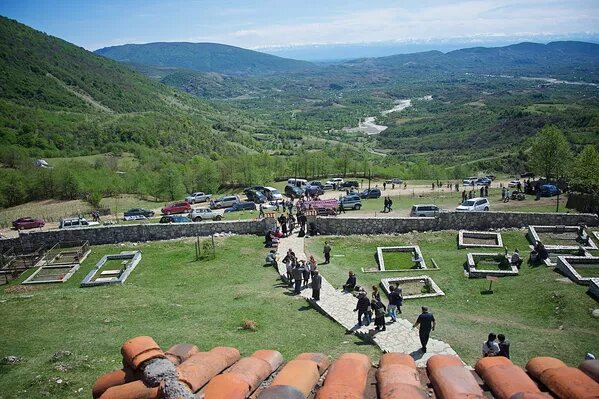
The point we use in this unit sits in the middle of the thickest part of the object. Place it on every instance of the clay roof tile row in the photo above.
(221, 373)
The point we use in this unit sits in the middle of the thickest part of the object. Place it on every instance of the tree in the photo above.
(550, 154)
(170, 182)
(583, 175)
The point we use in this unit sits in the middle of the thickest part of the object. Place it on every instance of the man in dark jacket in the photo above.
(350, 284)
(426, 321)
(362, 308)
(297, 274)
(394, 302)
(316, 284)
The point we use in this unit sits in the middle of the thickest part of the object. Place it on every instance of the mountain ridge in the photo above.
(203, 57)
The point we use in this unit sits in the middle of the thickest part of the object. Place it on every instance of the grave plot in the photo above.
(112, 269)
(405, 258)
(594, 287)
(580, 269)
(16, 260)
(489, 264)
(59, 263)
(554, 253)
(562, 237)
(414, 287)
(479, 239)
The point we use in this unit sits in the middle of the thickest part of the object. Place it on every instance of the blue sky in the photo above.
(269, 25)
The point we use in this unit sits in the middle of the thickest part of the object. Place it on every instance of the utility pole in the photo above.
(369, 177)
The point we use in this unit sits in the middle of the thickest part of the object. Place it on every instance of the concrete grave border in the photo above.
(479, 234)
(473, 272)
(564, 265)
(405, 248)
(51, 260)
(562, 252)
(386, 282)
(533, 236)
(133, 258)
(596, 234)
(594, 287)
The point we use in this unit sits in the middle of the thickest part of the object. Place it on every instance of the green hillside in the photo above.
(204, 57)
(58, 99)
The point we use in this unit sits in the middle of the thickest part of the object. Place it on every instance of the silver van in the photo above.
(272, 194)
(428, 211)
(72, 223)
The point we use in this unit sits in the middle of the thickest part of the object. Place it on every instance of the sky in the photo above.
(278, 25)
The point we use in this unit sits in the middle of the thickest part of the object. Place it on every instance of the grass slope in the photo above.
(168, 297)
(540, 315)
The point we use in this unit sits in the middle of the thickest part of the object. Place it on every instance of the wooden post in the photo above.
(213, 247)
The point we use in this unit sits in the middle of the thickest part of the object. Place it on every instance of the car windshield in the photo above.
(468, 203)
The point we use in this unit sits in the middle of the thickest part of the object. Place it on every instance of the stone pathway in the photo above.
(399, 336)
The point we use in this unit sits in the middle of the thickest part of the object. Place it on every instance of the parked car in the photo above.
(483, 181)
(27, 223)
(371, 193)
(174, 219)
(72, 223)
(256, 196)
(327, 186)
(491, 177)
(549, 190)
(350, 184)
(297, 182)
(470, 181)
(336, 182)
(199, 214)
(314, 190)
(176, 207)
(254, 188)
(198, 197)
(272, 194)
(315, 183)
(394, 181)
(428, 210)
(242, 206)
(474, 205)
(513, 184)
(146, 213)
(225, 202)
(293, 191)
(352, 201)
(528, 175)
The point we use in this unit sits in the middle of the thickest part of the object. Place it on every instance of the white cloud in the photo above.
(463, 19)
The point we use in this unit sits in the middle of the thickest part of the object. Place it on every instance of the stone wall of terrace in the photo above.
(137, 232)
(449, 221)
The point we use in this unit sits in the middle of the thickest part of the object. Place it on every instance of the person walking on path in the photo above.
(375, 293)
(385, 205)
(306, 272)
(261, 209)
(379, 313)
(297, 278)
(316, 284)
(362, 307)
(426, 321)
(394, 303)
(389, 203)
(327, 252)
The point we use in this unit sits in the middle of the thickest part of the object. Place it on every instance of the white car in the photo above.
(198, 197)
(327, 186)
(474, 205)
(469, 181)
(199, 214)
(513, 184)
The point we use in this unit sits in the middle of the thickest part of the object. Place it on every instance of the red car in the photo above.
(27, 223)
(176, 207)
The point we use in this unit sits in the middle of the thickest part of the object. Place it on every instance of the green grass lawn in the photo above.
(539, 314)
(169, 297)
(398, 260)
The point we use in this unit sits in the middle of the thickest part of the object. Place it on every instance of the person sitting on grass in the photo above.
(504, 346)
(516, 260)
(350, 284)
(271, 258)
(490, 347)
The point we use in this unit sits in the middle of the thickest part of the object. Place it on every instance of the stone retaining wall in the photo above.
(450, 221)
(137, 232)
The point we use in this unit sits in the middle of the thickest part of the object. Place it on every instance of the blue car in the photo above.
(371, 193)
(242, 206)
(549, 190)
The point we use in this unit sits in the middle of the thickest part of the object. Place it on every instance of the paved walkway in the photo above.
(399, 336)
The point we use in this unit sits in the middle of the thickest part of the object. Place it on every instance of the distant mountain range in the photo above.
(204, 57)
